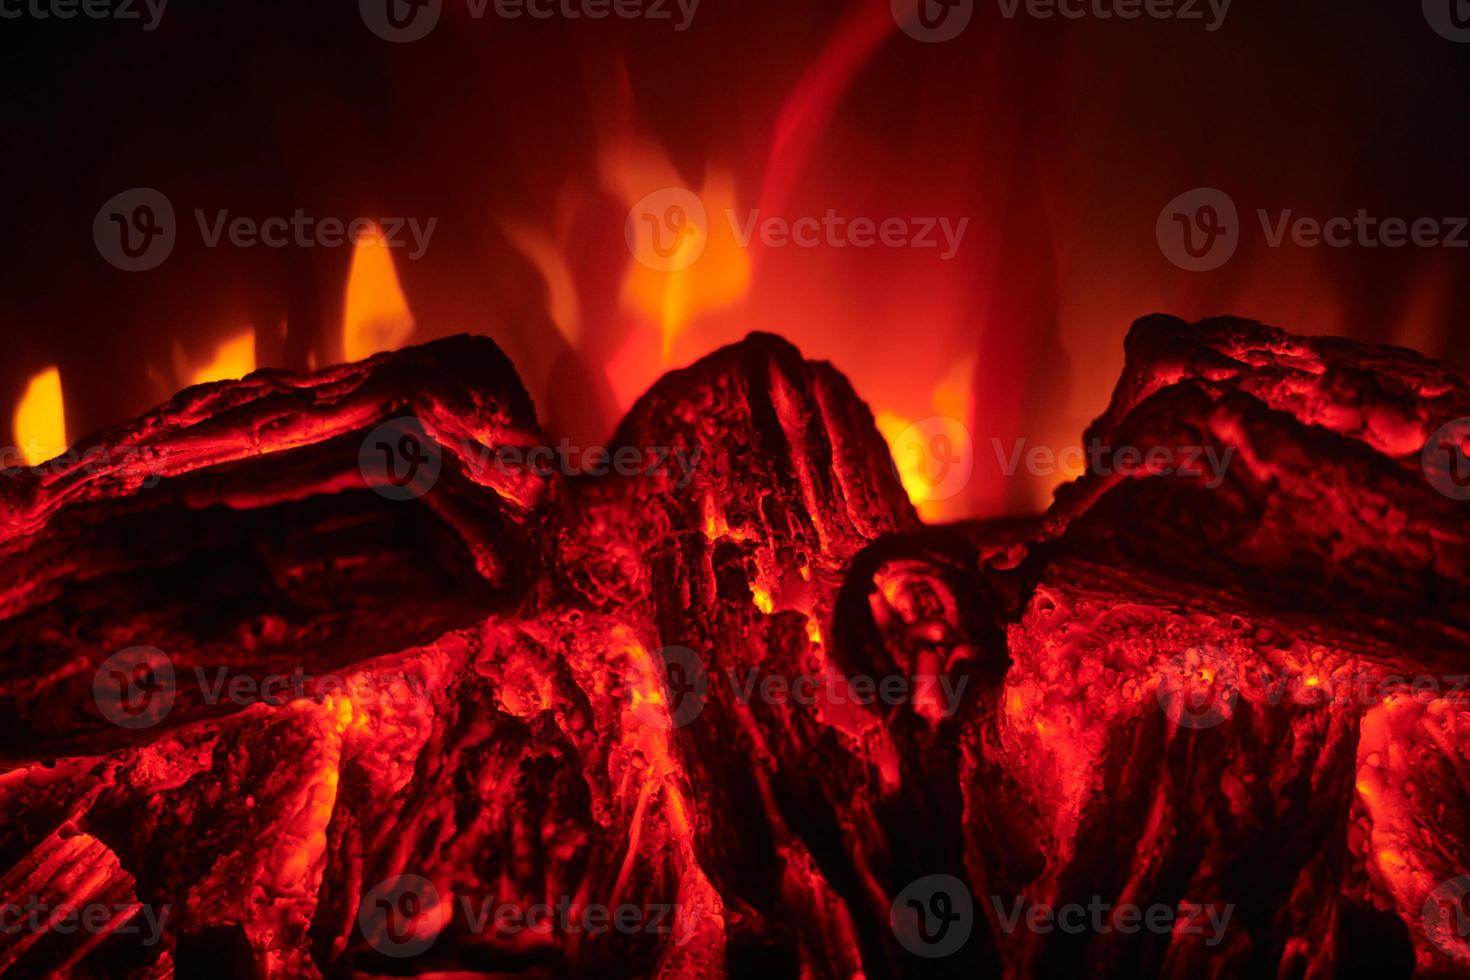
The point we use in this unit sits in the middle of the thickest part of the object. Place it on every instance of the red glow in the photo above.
(521, 688)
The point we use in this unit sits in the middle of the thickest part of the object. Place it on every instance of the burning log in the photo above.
(346, 674)
(233, 527)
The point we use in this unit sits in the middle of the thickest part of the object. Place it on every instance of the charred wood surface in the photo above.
(500, 686)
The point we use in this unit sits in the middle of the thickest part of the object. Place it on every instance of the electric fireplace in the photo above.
(664, 488)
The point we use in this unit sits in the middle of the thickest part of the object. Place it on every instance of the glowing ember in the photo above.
(520, 690)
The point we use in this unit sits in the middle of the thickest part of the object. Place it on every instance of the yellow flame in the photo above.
(39, 423)
(910, 469)
(375, 316)
(933, 501)
(951, 401)
(717, 278)
(234, 357)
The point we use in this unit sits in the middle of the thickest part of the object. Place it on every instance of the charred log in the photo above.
(520, 688)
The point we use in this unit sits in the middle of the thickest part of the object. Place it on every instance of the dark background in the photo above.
(1060, 140)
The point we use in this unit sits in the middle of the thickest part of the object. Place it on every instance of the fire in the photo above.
(375, 316)
(926, 452)
(910, 465)
(531, 702)
(551, 262)
(687, 259)
(708, 267)
(39, 423)
(233, 358)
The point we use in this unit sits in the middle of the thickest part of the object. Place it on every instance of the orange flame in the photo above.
(234, 357)
(710, 269)
(375, 316)
(933, 493)
(702, 268)
(39, 423)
